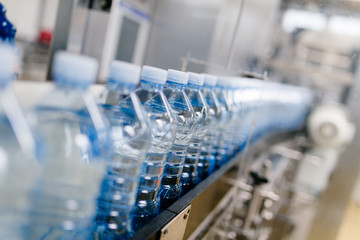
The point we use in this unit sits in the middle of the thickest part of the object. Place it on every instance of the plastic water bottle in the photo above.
(202, 113)
(18, 165)
(232, 125)
(185, 126)
(150, 93)
(130, 133)
(206, 162)
(77, 140)
(249, 95)
(222, 145)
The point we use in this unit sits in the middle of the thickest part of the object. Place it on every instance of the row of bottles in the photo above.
(76, 167)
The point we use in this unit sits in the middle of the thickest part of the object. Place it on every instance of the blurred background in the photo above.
(311, 43)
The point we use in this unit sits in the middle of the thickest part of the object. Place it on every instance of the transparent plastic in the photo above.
(221, 145)
(185, 126)
(162, 136)
(203, 118)
(130, 133)
(77, 141)
(206, 162)
(18, 167)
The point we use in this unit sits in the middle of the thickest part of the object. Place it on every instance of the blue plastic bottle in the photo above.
(77, 141)
(18, 165)
(130, 133)
(150, 93)
(202, 113)
(206, 164)
(185, 126)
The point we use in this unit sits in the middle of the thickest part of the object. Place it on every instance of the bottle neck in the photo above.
(175, 85)
(121, 88)
(72, 86)
(208, 87)
(151, 86)
(220, 87)
(193, 87)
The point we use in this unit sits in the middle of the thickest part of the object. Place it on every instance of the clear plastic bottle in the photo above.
(236, 118)
(150, 93)
(206, 162)
(185, 125)
(202, 113)
(77, 141)
(221, 147)
(18, 145)
(130, 133)
(248, 94)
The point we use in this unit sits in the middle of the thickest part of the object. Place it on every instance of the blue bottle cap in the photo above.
(7, 29)
(74, 69)
(196, 79)
(123, 72)
(7, 63)
(153, 75)
(177, 76)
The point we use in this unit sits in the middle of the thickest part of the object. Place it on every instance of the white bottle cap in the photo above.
(74, 69)
(209, 80)
(153, 75)
(123, 72)
(177, 76)
(196, 79)
(234, 82)
(7, 63)
(222, 82)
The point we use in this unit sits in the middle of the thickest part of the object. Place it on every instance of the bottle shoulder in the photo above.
(127, 113)
(178, 100)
